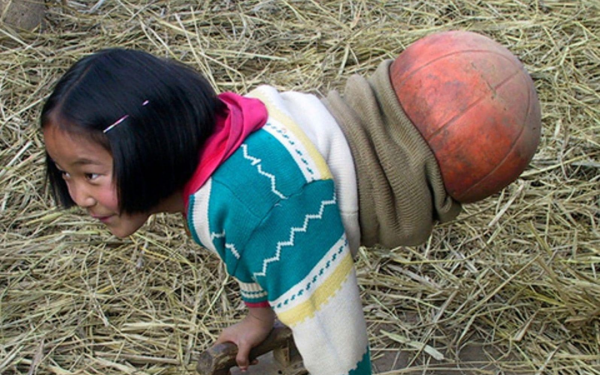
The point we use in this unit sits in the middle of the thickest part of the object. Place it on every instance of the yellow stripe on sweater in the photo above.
(280, 116)
(320, 296)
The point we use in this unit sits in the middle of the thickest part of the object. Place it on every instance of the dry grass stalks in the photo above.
(518, 271)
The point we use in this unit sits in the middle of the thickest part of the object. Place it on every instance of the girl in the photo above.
(129, 135)
(273, 183)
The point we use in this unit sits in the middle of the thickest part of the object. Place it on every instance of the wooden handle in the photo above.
(219, 359)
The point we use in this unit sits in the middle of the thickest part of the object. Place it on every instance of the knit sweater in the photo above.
(272, 213)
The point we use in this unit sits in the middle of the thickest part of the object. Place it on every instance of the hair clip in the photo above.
(109, 128)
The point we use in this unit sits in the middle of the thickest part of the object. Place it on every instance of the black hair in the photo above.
(156, 148)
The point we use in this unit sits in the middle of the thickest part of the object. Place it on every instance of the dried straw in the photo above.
(516, 275)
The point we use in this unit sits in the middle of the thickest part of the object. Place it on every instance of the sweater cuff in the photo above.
(253, 295)
(254, 305)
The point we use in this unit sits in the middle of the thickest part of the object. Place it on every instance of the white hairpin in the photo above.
(108, 128)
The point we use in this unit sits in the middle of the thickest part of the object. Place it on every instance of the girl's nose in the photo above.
(81, 196)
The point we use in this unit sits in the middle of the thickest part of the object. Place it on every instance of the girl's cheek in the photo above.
(111, 200)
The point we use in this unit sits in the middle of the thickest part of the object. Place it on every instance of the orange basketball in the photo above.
(475, 105)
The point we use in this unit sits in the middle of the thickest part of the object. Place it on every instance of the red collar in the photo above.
(242, 117)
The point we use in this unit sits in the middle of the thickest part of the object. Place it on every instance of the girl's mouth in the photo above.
(103, 219)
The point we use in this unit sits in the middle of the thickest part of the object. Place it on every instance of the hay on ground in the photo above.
(517, 272)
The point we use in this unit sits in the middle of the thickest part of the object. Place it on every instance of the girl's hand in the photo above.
(249, 332)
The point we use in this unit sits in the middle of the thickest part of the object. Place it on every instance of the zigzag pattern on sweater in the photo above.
(293, 231)
(229, 246)
(257, 162)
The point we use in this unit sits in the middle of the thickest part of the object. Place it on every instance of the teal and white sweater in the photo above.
(285, 230)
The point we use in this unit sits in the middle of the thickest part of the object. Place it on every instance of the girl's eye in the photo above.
(91, 176)
(65, 175)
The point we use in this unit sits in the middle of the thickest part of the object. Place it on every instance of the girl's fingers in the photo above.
(242, 356)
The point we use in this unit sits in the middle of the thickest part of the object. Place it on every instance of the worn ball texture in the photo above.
(475, 105)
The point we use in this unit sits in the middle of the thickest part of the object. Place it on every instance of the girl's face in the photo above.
(87, 169)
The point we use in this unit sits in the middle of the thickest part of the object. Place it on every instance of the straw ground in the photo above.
(517, 275)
